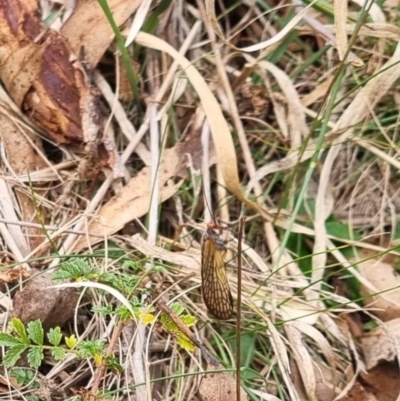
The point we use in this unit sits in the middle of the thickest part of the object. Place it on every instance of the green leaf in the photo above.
(33, 398)
(7, 340)
(177, 307)
(74, 269)
(168, 323)
(35, 331)
(248, 349)
(35, 357)
(159, 269)
(185, 343)
(58, 353)
(123, 50)
(24, 376)
(396, 232)
(107, 278)
(19, 328)
(189, 320)
(126, 283)
(103, 310)
(341, 230)
(297, 244)
(146, 318)
(112, 363)
(91, 348)
(123, 313)
(370, 326)
(70, 341)
(13, 354)
(54, 336)
(131, 265)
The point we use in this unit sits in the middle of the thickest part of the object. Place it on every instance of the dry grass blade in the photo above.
(303, 360)
(100, 286)
(282, 358)
(340, 10)
(210, 6)
(219, 128)
(355, 112)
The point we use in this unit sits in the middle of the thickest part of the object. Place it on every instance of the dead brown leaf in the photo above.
(385, 299)
(324, 390)
(88, 27)
(383, 381)
(13, 275)
(359, 393)
(37, 72)
(378, 346)
(133, 200)
(131, 203)
(6, 382)
(45, 79)
(317, 93)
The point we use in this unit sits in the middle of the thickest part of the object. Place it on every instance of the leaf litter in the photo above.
(72, 163)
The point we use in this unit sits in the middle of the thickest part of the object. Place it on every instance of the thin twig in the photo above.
(49, 228)
(110, 351)
(239, 305)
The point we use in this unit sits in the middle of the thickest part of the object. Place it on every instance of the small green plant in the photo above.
(174, 330)
(126, 279)
(30, 339)
(26, 377)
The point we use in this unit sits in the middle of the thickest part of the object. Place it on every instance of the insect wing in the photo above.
(215, 287)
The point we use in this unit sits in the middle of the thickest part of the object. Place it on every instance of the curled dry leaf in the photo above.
(191, 262)
(379, 348)
(45, 79)
(324, 385)
(385, 301)
(37, 72)
(219, 386)
(13, 275)
(304, 361)
(324, 382)
(340, 10)
(378, 345)
(264, 45)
